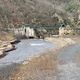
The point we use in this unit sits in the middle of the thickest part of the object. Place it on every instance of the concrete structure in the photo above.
(24, 31)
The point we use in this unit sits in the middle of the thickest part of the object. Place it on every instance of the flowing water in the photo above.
(25, 50)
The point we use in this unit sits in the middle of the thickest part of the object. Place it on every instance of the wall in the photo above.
(23, 32)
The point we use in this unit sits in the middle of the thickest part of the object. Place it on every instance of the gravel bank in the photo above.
(61, 42)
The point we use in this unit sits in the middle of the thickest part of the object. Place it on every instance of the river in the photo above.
(25, 50)
(67, 69)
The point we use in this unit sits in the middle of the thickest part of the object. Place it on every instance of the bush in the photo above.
(72, 6)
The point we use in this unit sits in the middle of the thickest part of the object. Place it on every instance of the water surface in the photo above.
(25, 50)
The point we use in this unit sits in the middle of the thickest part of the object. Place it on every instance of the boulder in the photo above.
(9, 47)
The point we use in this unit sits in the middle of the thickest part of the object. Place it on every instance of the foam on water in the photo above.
(34, 44)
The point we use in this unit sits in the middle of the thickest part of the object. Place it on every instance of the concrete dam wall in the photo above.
(23, 32)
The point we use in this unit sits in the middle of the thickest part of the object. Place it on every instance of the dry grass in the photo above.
(60, 41)
(4, 36)
(39, 68)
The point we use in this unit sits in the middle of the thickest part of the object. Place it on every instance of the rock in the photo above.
(1, 52)
(9, 47)
(12, 41)
(15, 41)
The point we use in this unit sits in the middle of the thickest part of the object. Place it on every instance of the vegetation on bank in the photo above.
(37, 68)
(6, 36)
(15, 13)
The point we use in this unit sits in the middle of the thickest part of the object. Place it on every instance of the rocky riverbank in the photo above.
(6, 46)
(7, 41)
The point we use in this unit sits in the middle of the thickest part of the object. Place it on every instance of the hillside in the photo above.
(14, 12)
